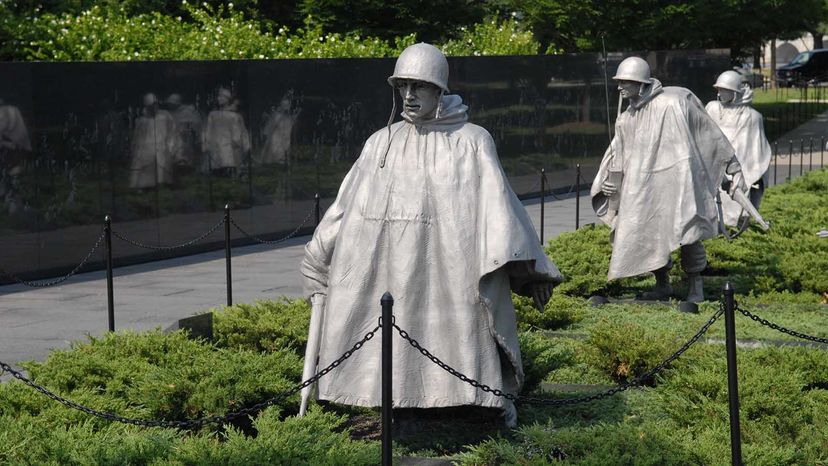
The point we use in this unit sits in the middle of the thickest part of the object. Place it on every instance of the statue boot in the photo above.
(662, 289)
(510, 414)
(695, 293)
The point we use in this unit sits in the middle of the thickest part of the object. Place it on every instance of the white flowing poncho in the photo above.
(226, 138)
(744, 129)
(439, 228)
(13, 128)
(188, 125)
(278, 128)
(673, 157)
(155, 146)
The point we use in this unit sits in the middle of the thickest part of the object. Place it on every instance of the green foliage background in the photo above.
(173, 30)
(204, 32)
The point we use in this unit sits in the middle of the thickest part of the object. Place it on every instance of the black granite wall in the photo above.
(85, 140)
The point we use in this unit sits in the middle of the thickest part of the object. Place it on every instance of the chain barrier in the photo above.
(58, 280)
(552, 192)
(275, 241)
(584, 181)
(168, 248)
(192, 423)
(637, 382)
(779, 328)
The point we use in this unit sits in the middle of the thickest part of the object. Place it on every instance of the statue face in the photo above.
(726, 95)
(420, 98)
(629, 89)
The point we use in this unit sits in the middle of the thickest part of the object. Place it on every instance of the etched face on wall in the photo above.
(420, 98)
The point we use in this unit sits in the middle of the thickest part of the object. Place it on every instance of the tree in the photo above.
(431, 20)
(740, 25)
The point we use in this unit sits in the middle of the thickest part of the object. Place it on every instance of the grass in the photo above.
(784, 109)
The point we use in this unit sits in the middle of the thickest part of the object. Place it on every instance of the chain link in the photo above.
(276, 241)
(638, 381)
(192, 423)
(58, 280)
(779, 328)
(169, 248)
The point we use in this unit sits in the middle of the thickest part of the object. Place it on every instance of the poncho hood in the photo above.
(650, 93)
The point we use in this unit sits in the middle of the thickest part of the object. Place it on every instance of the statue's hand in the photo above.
(738, 182)
(318, 299)
(609, 189)
(541, 292)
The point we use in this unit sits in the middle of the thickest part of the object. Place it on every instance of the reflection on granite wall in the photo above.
(161, 147)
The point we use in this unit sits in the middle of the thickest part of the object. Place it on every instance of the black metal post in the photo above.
(577, 196)
(732, 380)
(542, 202)
(387, 303)
(801, 155)
(810, 154)
(822, 152)
(785, 116)
(775, 161)
(227, 254)
(110, 287)
(316, 211)
(790, 159)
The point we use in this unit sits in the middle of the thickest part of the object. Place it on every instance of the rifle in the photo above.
(312, 350)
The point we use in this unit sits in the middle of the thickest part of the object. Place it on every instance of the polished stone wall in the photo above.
(161, 147)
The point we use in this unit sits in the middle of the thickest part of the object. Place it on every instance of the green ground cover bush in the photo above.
(679, 417)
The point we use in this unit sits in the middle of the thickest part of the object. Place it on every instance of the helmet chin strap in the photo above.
(388, 125)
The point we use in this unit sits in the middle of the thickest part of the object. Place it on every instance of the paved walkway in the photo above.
(157, 294)
(34, 321)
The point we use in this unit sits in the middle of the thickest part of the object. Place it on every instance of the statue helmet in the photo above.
(730, 80)
(422, 62)
(633, 69)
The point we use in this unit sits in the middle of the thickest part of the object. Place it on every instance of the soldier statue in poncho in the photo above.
(425, 213)
(744, 129)
(657, 184)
